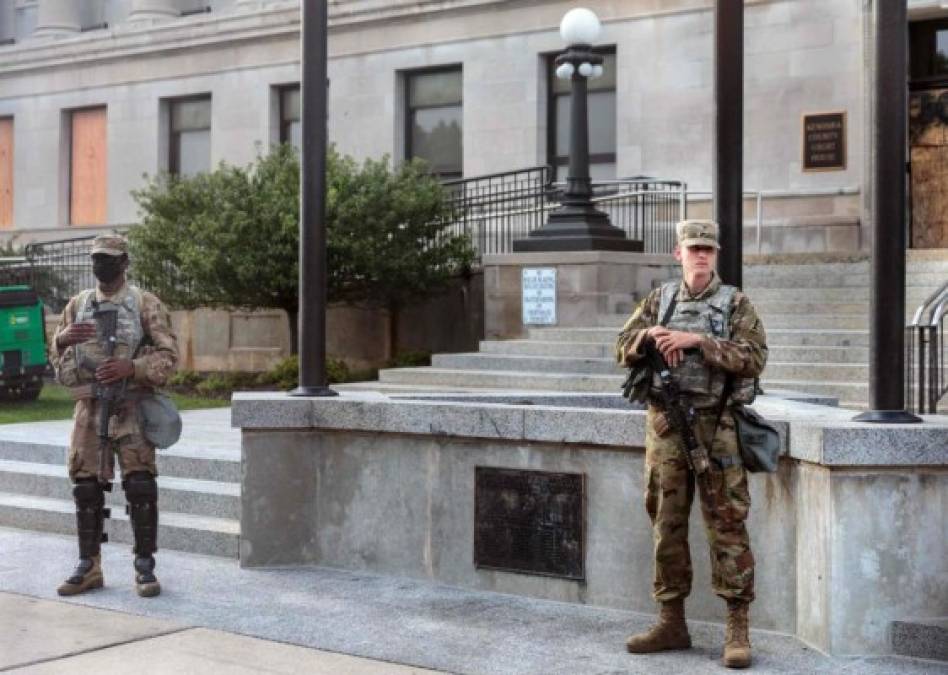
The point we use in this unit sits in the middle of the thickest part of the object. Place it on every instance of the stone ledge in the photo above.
(578, 258)
(811, 433)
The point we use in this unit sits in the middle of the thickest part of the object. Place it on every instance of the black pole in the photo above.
(728, 173)
(312, 315)
(887, 299)
(577, 225)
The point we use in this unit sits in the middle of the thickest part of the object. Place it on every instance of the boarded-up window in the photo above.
(6, 172)
(88, 177)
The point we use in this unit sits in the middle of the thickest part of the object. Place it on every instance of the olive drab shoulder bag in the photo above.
(758, 441)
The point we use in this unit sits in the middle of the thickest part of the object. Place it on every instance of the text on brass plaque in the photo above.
(824, 142)
(530, 521)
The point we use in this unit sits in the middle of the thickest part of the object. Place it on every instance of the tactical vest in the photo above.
(710, 315)
(76, 369)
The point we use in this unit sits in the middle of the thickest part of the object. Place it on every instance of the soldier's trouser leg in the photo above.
(141, 491)
(90, 515)
(669, 494)
(732, 562)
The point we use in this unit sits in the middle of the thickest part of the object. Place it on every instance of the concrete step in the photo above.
(799, 337)
(182, 495)
(815, 321)
(821, 372)
(814, 355)
(577, 350)
(763, 296)
(502, 379)
(921, 638)
(205, 464)
(546, 364)
(825, 279)
(850, 394)
(176, 531)
(600, 335)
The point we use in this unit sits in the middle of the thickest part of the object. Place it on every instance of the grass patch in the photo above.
(55, 403)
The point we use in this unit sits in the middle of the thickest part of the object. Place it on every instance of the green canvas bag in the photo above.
(759, 442)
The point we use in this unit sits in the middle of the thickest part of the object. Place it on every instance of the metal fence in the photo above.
(57, 270)
(926, 353)
(497, 209)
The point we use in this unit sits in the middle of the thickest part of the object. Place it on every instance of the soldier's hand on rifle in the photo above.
(672, 343)
(76, 333)
(114, 370)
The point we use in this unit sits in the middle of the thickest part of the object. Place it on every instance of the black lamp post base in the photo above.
(577, 228)
(313, 391)
(887, 417)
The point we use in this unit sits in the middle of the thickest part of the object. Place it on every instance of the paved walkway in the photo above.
(214, 617)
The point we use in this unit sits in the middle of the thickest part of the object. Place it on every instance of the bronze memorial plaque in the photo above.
(824, 141)
(530, 521)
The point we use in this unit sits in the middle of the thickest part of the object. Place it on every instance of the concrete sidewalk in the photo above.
(214, 617)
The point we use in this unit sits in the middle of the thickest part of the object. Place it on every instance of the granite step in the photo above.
(830, 337)
(921, 638)
(825, 279)
(183, 495)
(821, 372)
(577, 350)
(548, 364)
(495, 379)
(761, 296)
(849, 394)
(817, 355)
(815, 321)
(208, 464)
(176, 531)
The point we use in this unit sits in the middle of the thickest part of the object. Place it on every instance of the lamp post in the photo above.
(312, 316)
(577, 225)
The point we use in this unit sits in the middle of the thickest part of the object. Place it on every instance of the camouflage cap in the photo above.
(110, 244)
(697, 233)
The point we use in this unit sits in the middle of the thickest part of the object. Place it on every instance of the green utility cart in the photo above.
(22, 344)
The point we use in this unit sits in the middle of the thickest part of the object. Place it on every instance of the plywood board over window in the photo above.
(6, 172)
(88, 179)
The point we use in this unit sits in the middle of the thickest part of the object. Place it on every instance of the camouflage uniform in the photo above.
(144, 337)
(154, 364)
(669, 485)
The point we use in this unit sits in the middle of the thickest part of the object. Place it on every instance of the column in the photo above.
(57, 17)
(153, 10)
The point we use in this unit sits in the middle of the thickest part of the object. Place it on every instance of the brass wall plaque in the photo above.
(824, 141)
(532, 522)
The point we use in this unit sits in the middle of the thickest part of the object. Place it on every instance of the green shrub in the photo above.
(410, 359)
(185, 378)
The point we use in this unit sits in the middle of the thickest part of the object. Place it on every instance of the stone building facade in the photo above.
(96, 93)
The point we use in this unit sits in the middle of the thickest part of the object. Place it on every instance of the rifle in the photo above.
(680, 419)
(105, 315)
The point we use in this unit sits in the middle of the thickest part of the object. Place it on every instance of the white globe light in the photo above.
(565, 71)
(580, 26)
(585, 69)
(597, 71)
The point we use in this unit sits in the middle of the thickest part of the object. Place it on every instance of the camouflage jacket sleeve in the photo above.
(633, 332)
(158, 359)
(745, 354)
(57, 355)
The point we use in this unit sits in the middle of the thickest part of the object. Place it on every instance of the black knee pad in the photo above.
(88, 493)
(140, 488)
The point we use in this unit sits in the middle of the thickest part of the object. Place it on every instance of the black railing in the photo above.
(927, 354)
(56, 270)
(497, 209)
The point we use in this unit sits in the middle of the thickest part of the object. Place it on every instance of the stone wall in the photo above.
(849, 535)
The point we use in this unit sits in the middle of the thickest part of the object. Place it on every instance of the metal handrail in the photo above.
(926, 336)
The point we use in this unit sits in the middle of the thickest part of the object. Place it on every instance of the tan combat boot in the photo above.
(671, 631)
(86, 576)
(737, 646)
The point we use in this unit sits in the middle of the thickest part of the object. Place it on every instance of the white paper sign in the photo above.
(539, 296)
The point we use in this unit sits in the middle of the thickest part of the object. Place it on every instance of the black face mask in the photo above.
(107, 268)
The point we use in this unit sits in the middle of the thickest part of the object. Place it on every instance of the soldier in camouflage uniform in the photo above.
(145, 356)
(711, 333)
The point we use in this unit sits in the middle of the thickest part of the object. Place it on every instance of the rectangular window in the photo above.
(434, 120)
(88, 168)
(6, 172)
(928, 51)
(190, 145)
(601, 101)
(290, 128)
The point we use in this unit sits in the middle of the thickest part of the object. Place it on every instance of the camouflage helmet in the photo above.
(109, 244)
(697, 233)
